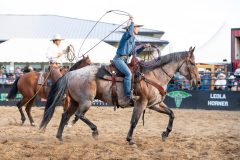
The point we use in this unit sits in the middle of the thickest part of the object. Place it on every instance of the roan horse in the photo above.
(28, 86)
(83, 87)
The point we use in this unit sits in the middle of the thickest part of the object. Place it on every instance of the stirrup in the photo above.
(133, 97)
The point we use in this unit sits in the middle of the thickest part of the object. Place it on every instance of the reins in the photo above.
(166, 73)
(186, 60)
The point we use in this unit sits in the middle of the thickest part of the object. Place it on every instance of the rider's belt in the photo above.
(124, 57)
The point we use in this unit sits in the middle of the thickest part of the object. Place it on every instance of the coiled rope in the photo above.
(70, 53)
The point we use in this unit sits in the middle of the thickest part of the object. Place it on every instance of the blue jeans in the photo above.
(123, 68)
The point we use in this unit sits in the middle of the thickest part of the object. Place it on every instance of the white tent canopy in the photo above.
(34, 50)
(218, 47)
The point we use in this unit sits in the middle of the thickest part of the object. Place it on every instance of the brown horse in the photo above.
(28, 86)
(84, 86)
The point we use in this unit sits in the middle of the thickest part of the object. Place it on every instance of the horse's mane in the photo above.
(163, 60)
(76, 65)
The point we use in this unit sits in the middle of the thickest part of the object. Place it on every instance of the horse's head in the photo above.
(85, 61)
(189, 69)
(64, 70)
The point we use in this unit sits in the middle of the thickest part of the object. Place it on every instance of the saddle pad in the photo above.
(103, 74)
(41, 78)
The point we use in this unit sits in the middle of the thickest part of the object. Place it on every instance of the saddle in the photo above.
(42, 79)
(45, 78)
(111, 73)
(107, 72)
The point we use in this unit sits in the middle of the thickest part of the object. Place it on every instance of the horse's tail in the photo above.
(56, 93)
(14, 90)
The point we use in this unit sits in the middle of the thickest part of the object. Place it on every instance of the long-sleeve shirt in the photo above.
(53, 54)
(127, 42)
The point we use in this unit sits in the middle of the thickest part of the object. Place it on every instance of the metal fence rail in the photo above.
(176, 84)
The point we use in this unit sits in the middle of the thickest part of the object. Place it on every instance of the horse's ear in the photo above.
(190, 52)
(190, 49)
(193, 49)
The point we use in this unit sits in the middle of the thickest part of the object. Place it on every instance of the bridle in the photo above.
(188, 61)
(166, 72)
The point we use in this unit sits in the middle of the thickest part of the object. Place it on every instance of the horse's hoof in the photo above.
(42, 130)
(59, 138)
(131, 142)
(33, 124)
(95, 134)
(74, 121)
(164, 136)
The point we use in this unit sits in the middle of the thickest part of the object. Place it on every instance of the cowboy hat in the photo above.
(135, 25)
(207, 71)
(221, 76)
(232, 77)
(57, 37)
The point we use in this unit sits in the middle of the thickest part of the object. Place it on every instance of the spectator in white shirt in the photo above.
(221, 82)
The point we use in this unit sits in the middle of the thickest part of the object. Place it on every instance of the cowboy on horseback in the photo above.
(54, 52)
(55, 55)
(125, 49)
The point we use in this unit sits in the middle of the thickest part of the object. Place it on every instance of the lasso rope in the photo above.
(145, 64)
(103, 39)
(151, 63)
(70, 53)
(111, 11)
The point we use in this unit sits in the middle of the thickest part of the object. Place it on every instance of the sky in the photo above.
(185, 22)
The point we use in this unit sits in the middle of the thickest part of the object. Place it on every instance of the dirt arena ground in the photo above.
(197, 134)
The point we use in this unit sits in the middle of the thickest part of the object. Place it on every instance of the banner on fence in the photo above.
(193, 99)
(220, 100)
